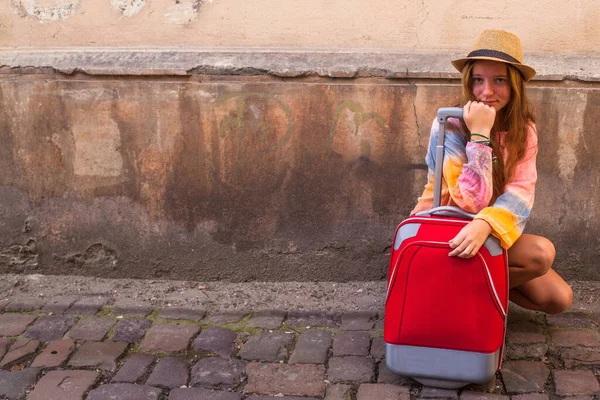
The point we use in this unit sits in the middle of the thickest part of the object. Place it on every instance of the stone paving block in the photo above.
(4, 345)
(573, 319)
(169, 337)
(267, 319)
(339, 392)
(575, 337)
(382, 391)
(59, 304)
(519, 314)
(134, 368)
(14, 385)
(3, 304)
(263, 397)
(358, 320)
(170, 373)
(470, 395)
(99, 355)
(522, 345)
(486, 387)
(268, 346)
(226, 317)
(63, 385)
(378, 348)
(351, 343)
(530, 327)
(303, 319)
(525, 337)
(129, 391)
(203, 394)
(576, 383)
(578, 398)
(312, 347)
(291, 380)
(531, 396)
(387, 376)
(217, 372)
(24, 304)
(87, 306)
(436, 393)
(351, 369)
(380, 322)
(186, 313)
(524, 376)
(92, 329)
(14, 324)
(216, 340)
(55, 354)
(131, 330)
(50, 327)
(130, 308)
(19, 350)
(580, 357)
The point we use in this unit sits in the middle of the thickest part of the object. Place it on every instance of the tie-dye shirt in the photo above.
(467, 182)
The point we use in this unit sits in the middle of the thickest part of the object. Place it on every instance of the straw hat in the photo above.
(500, 46)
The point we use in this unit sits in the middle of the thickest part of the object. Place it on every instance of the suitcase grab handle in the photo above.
(447, 112)
(448, 211)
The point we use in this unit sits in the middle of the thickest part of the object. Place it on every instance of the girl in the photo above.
(489, 170)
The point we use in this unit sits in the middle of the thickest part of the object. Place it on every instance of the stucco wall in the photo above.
(549, 27)
(252, 177)
(264, 140)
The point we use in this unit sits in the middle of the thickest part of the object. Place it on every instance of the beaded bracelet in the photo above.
(487, 139)
(483, 142)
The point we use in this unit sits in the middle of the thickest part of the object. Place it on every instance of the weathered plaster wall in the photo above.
(549, 27)
(235, 139)
(252, 178)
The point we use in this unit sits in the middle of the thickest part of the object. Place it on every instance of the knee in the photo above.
(560, 301)
(541, 256)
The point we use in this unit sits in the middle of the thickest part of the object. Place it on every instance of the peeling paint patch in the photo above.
(183, 11)
(570, 126)
(97, 255)
(20, 257)
(97, 145)
(128, 7)
(61, 9)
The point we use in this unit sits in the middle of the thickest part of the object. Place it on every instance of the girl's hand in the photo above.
(470, 239)
(479, 117)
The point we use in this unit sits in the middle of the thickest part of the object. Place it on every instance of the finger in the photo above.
(467, 253)
(458, 250)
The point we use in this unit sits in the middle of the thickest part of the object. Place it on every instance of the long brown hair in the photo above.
(513, 119)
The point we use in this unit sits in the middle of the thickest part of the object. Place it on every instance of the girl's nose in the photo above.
(488, 88)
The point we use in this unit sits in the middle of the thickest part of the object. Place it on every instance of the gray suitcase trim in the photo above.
(452, 367)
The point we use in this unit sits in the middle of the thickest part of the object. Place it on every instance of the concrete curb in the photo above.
(276, 63)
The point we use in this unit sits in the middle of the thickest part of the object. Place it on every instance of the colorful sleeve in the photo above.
(508, 214)
(467, 171)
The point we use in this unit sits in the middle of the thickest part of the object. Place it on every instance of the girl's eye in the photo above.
(477, 80)
(500, 80)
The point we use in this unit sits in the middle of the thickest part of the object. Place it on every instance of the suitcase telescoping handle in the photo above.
(442, 116)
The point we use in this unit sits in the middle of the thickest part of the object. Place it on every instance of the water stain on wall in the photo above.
(254, 129)
(46, 11)
(128, 7)
(358, 134)
(183, 11)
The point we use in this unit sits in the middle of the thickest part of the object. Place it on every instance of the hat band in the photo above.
(494, 54)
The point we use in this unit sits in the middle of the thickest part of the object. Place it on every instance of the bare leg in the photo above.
(534, 285)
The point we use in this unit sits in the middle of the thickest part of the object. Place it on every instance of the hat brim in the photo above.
(526, 70)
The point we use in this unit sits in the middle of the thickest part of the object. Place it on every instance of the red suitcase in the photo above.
(445, 317)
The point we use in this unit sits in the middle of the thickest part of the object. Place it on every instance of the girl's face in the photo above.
(490, 83)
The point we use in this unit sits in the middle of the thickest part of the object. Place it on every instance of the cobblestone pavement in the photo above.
(98, 348)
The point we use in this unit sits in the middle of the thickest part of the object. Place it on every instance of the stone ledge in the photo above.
(277, 63)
